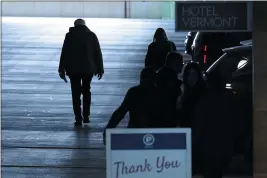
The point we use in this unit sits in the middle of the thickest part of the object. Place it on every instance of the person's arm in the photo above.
(119, 114)
(98, 56)
(61, 68)
(179, 110)
(178, 89)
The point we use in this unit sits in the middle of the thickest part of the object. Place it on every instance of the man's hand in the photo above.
(99, 75)
(63, 76)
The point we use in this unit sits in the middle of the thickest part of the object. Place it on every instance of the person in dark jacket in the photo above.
(139, 102)
(193, 88)
(168, 88)
(159, 49)
(216, 125)
(81, 59)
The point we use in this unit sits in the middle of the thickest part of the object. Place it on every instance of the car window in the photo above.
(226, 65)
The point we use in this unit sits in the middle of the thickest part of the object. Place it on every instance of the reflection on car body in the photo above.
(207, 46)
(188, 42)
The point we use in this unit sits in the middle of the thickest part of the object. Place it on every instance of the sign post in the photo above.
(212, 16)
(148, 153)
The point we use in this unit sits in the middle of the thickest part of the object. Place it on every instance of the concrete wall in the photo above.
(168, 10)
(260, 89)
(64, 9)
(147, 10)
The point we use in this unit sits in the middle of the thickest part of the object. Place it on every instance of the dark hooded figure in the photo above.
(159, 49)
(216, 126)
(81, 59)
(168, 88)
(193, 88)
(168, 91)
(139, 102)
(175, 61)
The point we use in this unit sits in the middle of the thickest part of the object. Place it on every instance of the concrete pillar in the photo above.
(260, 89)
(1, 51)
(128, 9)
(250, 15)
(173, 10)
(168, 10)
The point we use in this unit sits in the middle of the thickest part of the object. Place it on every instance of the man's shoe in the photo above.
(86, 120)
(78, 123)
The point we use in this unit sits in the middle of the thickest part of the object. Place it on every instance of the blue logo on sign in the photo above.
(148, 139)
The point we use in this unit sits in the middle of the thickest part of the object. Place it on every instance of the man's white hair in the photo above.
(79, 22)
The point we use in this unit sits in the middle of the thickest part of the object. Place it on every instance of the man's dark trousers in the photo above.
(81, 84)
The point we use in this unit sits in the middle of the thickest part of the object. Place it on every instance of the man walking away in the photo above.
(81, 59)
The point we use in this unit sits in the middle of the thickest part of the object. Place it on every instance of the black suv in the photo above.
(235, 66)
(207, 46)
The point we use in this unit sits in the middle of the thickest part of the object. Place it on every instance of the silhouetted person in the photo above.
(168, 89)
(81, 59)
(175, 61)
(139, 102)
(158, 49)
(215, 128)
(193, 89)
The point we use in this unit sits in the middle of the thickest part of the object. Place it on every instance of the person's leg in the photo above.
(86, 90)
(75, 81)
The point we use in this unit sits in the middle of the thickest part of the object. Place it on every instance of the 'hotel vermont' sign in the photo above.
(211, 16)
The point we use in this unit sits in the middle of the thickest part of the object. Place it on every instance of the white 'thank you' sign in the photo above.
(148, 153)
